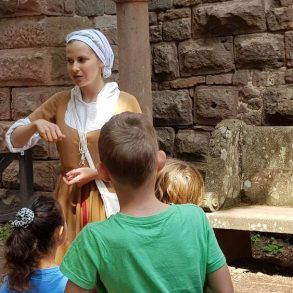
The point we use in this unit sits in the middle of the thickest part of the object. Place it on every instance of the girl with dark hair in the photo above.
(30, 249)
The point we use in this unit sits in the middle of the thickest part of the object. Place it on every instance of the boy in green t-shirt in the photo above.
(149, 246)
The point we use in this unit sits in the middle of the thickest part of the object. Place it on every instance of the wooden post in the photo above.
(134, 51)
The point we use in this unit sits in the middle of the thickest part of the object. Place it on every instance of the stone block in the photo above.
(153, 19)
(177, 29)
(38, 31)
(45, 175)
(13, 8)
(289, 48)
(4, 125)
(224, 155)
(259, 50)
(89, 7)
(278, 105)
(105, 21)
(219, 79)
(280, 18)
(37, 66)
(45, 151)
(213, 104)
(192, 145)
(157, 5)
(228, 18)
(268, 77)
(172, 108)
(289, 75)
(165, 62)
(177, 14)
(166, 138)
(187, 82)
(286, 2)
(111, 34)
(241, 77)
(206, 56)
(185, 3)
(26, 100)
(156, 33)
(5, 103)
(110, 7)
(267, 165)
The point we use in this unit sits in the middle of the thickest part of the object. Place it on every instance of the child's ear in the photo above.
(60, 234)
(103, 173)
(161, 157)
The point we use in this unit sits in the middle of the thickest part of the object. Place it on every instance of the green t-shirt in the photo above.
(167, 252)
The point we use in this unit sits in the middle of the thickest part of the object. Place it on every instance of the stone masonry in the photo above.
(211, 60)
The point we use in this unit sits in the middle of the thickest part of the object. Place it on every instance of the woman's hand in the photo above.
(80, 176)
(48, 131)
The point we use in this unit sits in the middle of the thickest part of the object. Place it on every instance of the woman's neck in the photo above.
(89, 93)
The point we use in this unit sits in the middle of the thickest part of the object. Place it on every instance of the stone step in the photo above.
(254, 218)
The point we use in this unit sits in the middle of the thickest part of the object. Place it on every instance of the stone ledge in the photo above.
(254, 218)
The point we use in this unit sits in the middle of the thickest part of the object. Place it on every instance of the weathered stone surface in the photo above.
(289, 48)
(156, 33)
(278, 105)
(213, 104)
(14, 8)
(192, 145)
(177, 29)
(286, 2)
(4, 103)
(209, 56)
(172, 108)
(33, 67)
(44, 150)
(241, 77)
(45, 175)
(219, 79)
(105, 21)
(280, 18)
(177, 14)
(111, 34)
(223, 176)
(268, 78)
(231, 17)
(185, 3)
(166, 137)
(187, 82)
(259, 50)
(4, 125)
(89, 7)
(39, 31)
(267, 165)
(155, 5)
(165, 63)
(26, 100)
(110, 7)
(153, 19)
(289, 75)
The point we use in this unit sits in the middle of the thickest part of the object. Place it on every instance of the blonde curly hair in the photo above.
(179, 182)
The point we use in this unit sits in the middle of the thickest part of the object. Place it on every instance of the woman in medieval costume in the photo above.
(72, 119)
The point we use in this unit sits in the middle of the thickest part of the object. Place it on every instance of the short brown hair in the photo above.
(128, 148)
(179, 182)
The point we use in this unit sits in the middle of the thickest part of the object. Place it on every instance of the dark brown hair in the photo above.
(25, 246)
(128, 148)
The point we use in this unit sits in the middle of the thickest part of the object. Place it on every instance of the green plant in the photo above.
(255, 237)
(273, 247)
(5, 231)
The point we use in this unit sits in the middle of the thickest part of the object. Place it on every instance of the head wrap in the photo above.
(98, 43)
(23, 218)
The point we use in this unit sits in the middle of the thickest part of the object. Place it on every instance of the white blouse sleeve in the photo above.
(32, 141)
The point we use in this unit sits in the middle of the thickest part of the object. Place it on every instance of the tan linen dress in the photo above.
(70, 198)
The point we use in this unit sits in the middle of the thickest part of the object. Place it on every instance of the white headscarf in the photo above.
(99, 44)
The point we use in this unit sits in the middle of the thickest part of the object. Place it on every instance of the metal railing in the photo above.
(25, 180)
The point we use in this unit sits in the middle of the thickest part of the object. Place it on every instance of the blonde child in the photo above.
(179, 182)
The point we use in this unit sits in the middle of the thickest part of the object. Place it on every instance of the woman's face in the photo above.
(83, 65)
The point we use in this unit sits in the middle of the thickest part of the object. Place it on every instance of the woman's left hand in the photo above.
(80, 176)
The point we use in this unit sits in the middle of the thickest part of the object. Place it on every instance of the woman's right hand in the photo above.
(48, 131)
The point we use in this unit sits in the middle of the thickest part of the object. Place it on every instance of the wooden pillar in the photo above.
(134, 51)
